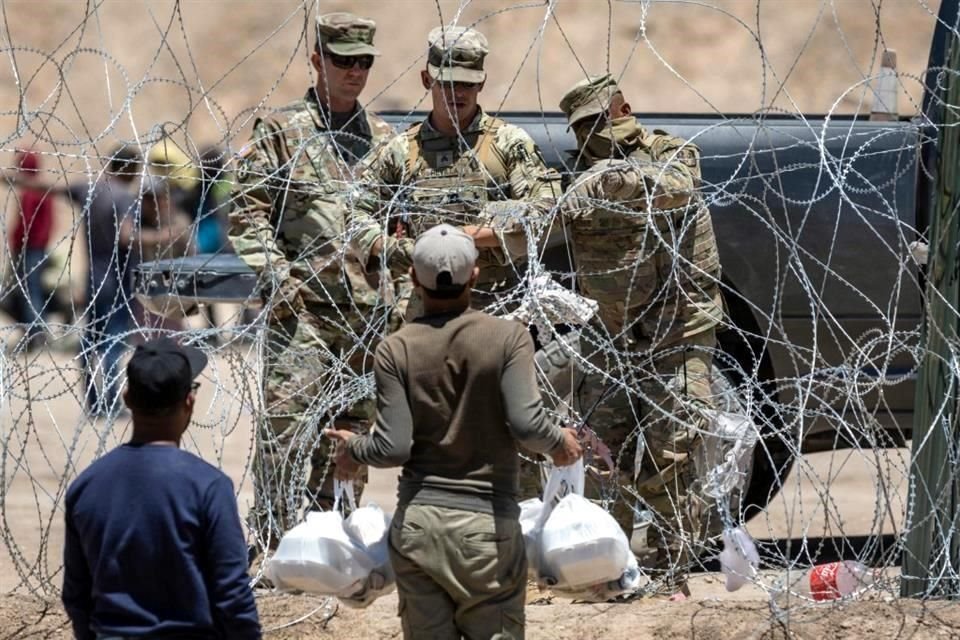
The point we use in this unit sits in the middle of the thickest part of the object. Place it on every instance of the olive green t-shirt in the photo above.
(456, 395)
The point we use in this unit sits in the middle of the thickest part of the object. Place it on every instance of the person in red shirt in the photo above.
(28, 242)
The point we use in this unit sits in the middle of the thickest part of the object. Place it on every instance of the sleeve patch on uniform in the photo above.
(687, 156)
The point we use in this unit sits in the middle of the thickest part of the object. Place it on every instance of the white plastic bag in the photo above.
(326, 555)
(726, 453)
(724, 459)
(529, 518)
(561, 482)
(582, 545)
(739, 559)
(548, 303)
(370, 527)
(317, 556)
(582, 551)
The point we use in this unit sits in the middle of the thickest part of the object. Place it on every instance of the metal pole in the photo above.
(931, 557)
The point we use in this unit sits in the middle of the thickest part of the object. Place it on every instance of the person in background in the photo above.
(106, 204)
(456, 396)
(214, 198)
(168, 161)
(211, 222)
(153, 543)
(162, 232)
(28, 245)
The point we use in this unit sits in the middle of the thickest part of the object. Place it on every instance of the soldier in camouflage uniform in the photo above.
(323, 312)
(460, 166)
(645, 250)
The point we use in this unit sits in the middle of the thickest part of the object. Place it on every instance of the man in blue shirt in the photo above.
(154, 545)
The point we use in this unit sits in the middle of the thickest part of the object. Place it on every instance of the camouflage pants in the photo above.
(311, 365)
(653, 430)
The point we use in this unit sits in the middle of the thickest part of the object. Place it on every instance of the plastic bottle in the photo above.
(832, 581)
(642, 519)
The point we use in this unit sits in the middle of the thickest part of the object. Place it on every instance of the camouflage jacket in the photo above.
(643, 242)
(492, 174)
(288, 214)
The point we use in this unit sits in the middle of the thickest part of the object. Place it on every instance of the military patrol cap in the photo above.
(444, 249)
(588, 98)
(456, 54)
(346, 34)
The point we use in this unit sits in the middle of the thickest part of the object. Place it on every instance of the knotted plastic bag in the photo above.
(739, 559)
(318, 556)
(370, 527)
(582, 551)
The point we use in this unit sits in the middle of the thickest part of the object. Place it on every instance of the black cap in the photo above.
(161, 372)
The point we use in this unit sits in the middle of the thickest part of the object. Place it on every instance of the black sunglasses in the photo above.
(348, 62)
(453, 86)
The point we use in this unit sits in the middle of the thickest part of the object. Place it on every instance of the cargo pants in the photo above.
(459, 573)
(653, 430)
(311, 363)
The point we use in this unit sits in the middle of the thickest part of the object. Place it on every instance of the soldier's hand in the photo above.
(612, 180)
(569, 450)
(377, 248)
(624, 183)
(287, 300)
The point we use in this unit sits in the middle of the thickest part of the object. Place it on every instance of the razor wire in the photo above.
(798, 373)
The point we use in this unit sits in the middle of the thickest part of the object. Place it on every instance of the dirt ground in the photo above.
(311, 618)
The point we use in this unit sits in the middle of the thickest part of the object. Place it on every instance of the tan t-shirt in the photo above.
(456, 394)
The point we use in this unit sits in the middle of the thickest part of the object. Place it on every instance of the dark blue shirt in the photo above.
(154, 546)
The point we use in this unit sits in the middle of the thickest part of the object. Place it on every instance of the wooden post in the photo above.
(886, 89)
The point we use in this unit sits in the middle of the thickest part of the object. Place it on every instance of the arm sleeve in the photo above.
(529, 421)
(77, 581)
(673, 176)
(534, 190)
(390, 441)
(225, 565)
(260, 191)
(640, 184)
(368, 215)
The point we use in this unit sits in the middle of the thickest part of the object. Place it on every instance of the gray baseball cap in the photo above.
(346, 34)
(588, 97)
(456, 54)
(444, 248)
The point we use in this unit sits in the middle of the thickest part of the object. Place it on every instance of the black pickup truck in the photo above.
(814, 218)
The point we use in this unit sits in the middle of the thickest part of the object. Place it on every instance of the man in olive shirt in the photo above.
(456, 394)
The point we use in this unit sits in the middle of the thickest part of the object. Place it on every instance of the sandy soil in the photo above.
(308, 618)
